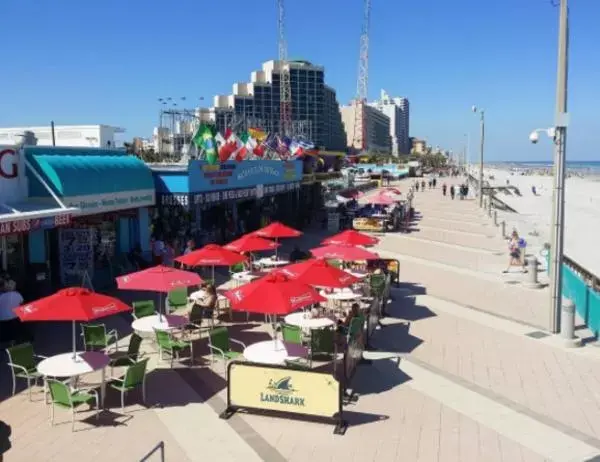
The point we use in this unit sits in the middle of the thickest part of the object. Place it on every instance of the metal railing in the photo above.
(160, 448)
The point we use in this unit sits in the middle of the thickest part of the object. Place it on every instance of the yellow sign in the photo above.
(283, 390)
(367, 224)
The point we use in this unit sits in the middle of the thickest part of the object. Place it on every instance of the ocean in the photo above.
(574, 166)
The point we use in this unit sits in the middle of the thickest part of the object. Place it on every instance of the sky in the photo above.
(83, 62)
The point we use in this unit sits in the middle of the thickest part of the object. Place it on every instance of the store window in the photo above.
(12, 257)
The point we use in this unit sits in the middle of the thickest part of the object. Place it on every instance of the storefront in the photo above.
(21, 219)
(216, 203)
(110, 193)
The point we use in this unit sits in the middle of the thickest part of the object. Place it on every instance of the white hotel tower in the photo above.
(397, 109)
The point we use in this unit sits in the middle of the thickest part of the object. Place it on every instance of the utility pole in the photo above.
(560, 149)
(481, 149)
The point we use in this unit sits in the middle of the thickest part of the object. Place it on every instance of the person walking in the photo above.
(417, 186)
(423, 185)
(444, 188)
(434, 181)
(452, 192)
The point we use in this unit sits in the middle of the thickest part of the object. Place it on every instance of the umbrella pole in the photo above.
(277, 247)
(213, 275)
(74, 341)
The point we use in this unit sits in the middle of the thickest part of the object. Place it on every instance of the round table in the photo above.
(84, 362)
(151, 323)
(270, 262)
(344, 296)
(298, 319)
(244, 276)
(267, 352)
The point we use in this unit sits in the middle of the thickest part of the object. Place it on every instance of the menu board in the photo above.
(76, 255)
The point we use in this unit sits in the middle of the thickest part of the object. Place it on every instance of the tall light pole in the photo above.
(481, 146)
(559, 134)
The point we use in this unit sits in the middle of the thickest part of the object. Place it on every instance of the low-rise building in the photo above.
(84, 136)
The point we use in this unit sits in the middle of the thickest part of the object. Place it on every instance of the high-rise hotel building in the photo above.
(315, 110)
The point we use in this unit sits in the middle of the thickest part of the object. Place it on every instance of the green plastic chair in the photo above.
(336, 263)
(126, 358)
(62, 396)
(22, 362)
(291, 334)
(237, 268)
(167, 343)
(95, 337)
(219, 342)
(178, 298)
(143, 308)
(135, 376)
(322, 342)
(377, 285)
(195, 319)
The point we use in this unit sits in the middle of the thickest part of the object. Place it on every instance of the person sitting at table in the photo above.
(209, 302)
(344, 325)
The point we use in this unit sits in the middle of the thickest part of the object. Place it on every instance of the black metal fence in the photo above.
(160, 449)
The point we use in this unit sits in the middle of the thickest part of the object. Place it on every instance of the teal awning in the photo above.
(72, 172)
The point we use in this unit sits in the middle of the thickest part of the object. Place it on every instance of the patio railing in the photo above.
(160, 448)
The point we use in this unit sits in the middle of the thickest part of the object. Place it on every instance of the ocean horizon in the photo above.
(582, 166)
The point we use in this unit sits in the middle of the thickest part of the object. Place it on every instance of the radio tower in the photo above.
(285, 88)
(360, 128)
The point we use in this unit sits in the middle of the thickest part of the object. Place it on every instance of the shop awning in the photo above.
(73, 172)
(95, 180)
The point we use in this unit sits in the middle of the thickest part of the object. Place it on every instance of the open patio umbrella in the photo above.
(72, 304)
(211, 255)
(273, 294)
(317, 272)
(350, 237)
(158, 279)
(380, 199)
(251, 243)
(277, 230)
(343, 252)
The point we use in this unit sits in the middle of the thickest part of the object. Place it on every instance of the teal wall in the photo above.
(144, 226)
(586, 299)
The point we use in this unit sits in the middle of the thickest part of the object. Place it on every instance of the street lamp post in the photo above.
(559, 134)
(481, 148)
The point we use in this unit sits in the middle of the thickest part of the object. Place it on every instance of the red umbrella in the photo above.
(158, 279)
(251, 243)
(277, 230)
(381, 199)
(343, 252)
(273, 294)
(393, 190)
(317, 272)
(72, 304)
(350, 237)
(211, 255)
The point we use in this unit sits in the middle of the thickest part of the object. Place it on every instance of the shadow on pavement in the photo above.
(379, 376)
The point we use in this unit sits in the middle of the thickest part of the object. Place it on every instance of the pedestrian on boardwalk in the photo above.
(452, 192)
(434, 183)
(423, 185)
(417, 186)
(444, 188)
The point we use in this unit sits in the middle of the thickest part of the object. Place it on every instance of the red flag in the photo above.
(240, 155)
(228, 133)
(259, 150)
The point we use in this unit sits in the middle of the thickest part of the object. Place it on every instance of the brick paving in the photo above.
(392, 420)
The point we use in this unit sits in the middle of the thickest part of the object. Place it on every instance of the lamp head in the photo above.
(534, 137)
(474, 108)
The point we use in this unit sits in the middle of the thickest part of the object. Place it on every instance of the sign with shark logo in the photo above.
(278, 389)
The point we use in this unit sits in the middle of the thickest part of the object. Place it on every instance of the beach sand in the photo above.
(582, 213)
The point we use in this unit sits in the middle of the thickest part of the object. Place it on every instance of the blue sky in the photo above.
(108, 62)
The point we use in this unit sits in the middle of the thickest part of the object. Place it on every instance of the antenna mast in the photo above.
(360, 127)
(285, 87)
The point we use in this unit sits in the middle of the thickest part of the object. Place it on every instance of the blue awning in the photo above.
(93, 180)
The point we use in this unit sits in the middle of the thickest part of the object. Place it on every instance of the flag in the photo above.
(258, 134)
(283, 148)
(225, 148)
(242, 148)
(204, 140)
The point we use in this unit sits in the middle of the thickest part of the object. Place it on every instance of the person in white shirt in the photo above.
(11, 328)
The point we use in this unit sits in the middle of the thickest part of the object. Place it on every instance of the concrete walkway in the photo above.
(463, 371)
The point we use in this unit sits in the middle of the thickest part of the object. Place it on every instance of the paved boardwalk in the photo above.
(455, 375)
